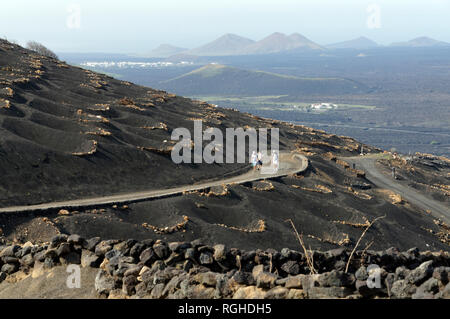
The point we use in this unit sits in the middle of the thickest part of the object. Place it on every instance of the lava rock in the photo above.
(148, 256)
(220, 253)
(266, 280)
(102, 248)
(421, 273)
(291, 267)
(89, 259)
(104, 283)
(10, 268)
(206, 258)
(161, 250)
(58, 239)
(90, 244)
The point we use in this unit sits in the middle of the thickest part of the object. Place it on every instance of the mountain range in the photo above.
(232, 44)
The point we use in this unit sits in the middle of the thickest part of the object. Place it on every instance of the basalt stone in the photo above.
(190, 254)
(261, 258)
(89, 259)
(277, 293)
(58, 239)
(157, 291)
(71, 258)
(178, 247)
(336, 279)
(10, 251)
(294, 282)
(401, 272)
(40, 256)
(328, 292)
(206, 278)
(161, 250)
(128, 285)
(49, 263)
(63, 249)
(427, 290)
(112, 253)
(10, 260)
(173, 259)
(421, 273)
(51, 253)
(75, 239)
(339, 265)
(173, 284)
(442, 274)
(338, 253)
(244, 278)
(134, 271)
(27, 260)
(102, 248)
(361, 273)
(403, 289)
(10, 268)
(220, 253)
(91, 243)
(123, 247)
(187, 265)
(206, 258)
(266, 280)
(24, 251)
(148, 256)
(197, 243)
(291, 267)
(275, 254)
(104, 283)
(136, 250)
(2, 276)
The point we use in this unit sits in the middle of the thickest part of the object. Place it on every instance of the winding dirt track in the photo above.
(367, 163)
(290, 163)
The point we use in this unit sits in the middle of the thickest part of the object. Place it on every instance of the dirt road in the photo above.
(420, 200)
(290, 163)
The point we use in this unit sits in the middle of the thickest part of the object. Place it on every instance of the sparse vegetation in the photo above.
(41, 49)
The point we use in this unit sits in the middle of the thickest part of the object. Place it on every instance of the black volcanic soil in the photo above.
(68, 133)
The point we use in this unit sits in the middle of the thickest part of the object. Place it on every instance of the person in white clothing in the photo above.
(254, 160)
(275, 160)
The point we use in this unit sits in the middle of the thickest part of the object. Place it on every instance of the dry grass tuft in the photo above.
(359, 240)
(309, 255)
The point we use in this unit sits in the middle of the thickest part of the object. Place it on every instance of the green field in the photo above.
(269, 102)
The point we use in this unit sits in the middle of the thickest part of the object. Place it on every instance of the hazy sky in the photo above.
(139, 26)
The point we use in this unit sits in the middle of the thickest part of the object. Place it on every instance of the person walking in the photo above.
(260, 162)
(275, 160)
(254, 160)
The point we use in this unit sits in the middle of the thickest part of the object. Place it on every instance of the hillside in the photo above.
(215, 79)
(279, 42)
(164, 51)
(358, 43)
(421, 42)
(228, 44)
(70, 134)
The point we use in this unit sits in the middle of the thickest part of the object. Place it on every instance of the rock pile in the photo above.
(156, 269)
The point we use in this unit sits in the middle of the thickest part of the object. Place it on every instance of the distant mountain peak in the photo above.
(165, 50)
(358, 43)
(227, 44)
(422, 41)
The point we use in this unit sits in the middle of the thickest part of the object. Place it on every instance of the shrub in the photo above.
(41, 49)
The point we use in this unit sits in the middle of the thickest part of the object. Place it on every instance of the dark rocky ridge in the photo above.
(156, 269)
